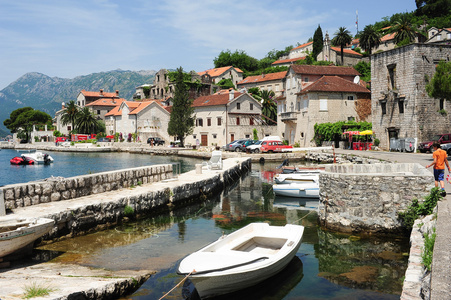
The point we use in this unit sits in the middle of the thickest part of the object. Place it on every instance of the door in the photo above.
(232, 137)
(204, 140)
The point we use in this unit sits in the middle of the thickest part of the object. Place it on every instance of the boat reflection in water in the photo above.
(276, 287)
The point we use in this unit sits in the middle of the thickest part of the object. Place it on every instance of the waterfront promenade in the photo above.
(441, 264)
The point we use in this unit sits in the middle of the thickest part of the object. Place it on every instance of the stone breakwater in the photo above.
(366, 198)
(60, 188)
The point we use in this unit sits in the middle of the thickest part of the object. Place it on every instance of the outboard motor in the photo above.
(46, 158)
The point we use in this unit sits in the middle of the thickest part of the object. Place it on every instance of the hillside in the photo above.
(47, 93)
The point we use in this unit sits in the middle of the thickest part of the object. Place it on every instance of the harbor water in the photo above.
(327, 265)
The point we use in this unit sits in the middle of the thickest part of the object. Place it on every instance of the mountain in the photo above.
(46, 93)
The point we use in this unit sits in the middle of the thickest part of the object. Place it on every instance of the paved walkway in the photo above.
(441, 264)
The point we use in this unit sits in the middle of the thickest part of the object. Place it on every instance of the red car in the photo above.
(273, 146)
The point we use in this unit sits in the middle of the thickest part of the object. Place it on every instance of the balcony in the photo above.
(289, 116)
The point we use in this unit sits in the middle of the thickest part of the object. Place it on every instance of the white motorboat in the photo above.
(304, 177)
(38, 157)
(301, 190)
(242, 258)
(16, 234)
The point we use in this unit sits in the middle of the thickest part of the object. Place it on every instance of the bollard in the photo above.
(198, 168)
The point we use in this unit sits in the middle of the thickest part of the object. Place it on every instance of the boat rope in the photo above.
(178, 284)
(304, 216)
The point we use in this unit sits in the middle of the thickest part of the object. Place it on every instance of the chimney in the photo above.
(101, 92)
(231, 94)
(63, 105)
(117, 93)
(263, 75)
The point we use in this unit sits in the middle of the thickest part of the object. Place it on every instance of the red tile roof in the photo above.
(134, 106)
(334, 84)
(106, 102)
(302, 46)
(324, 70)
(288, 60)
(388, 37)
(263, 78)
(97, 94)
(346, 51)
(212, 100)
(218, 71)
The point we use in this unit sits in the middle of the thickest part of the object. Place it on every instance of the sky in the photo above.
(69, 38)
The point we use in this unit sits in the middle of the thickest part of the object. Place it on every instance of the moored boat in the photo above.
(16, 234)
(39, 157)
(304, 177)
(242, 259)
(301, 190)
(21, 161)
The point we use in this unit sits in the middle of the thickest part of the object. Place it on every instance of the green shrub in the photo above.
(128, 210)
(417, 209)
(37, 290)
(426, 254)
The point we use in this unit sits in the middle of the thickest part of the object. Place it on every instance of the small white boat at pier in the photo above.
(301, 190)
(242, 258)
(16, 234)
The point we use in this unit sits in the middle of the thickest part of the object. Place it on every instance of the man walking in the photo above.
(440, 159)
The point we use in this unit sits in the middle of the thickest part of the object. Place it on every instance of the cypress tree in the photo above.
(317, 42)
(181, 122)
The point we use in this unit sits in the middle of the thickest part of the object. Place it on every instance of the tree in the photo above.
(440, 85)
(85, 121)
(403, 30)
(433, 8)
(342, 38)
(22, 120)
(226, 83)
(238, 59)
(317, 42)
(181, 122)
(70, 114)
(370, 38)
(364, 68)
(269, 106)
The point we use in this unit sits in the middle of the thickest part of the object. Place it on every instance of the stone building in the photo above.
(217, 74)
(270, 82)
(227, 116)
(316, 94)
(401, 107)
(86, 97)
(442, 36)
(333, 54)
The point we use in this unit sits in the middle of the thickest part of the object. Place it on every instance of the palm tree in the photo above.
(70, 114)
(370, 38)
(86, 122)
(269, 106)
(342, 38)
(403, 30)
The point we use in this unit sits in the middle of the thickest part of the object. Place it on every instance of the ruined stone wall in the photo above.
(367, 198)
(59, 188)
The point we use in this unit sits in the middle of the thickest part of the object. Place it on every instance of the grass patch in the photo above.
(128, 210)
(37, 290)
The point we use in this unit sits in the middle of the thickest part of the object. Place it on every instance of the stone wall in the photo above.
(60, 188)
(367, 198)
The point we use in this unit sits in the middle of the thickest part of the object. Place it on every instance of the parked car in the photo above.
(235, 145)
(243, 146)
(441, 138)
(255, 147)
(273, 146)
(155, 141)
(103, 140)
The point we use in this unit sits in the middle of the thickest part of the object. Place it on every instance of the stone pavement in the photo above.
(441, 264)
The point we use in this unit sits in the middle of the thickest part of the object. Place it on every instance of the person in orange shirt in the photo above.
(440, 159)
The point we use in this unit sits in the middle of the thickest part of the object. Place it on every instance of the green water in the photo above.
(327, 265)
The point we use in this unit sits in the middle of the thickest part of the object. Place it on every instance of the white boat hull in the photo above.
(18, 234)
(300, 190)
(242, 259)
(39, 157)
(296, 178)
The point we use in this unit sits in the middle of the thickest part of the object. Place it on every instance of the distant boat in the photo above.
(38, 157)
(242, 259)
(16, 234)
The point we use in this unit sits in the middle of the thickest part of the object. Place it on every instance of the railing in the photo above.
(288, 116)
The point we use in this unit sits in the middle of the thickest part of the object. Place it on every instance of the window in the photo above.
(277, 87)
(322, 104)
(298, 105)
(194, 136)
(251, 121)
(209, 122)
(214, 135)
(392, 75)
(305, 79)
(237, 120)
(288, 83)
(251, 106)
(384, 107)
(98, 111)
(305, 107)
(448, 36)
(442, 104)
(238, 105)
(269, 88)
(199, 122)
(350, 97)
(439, 37)
(219, 121)
(247, 136)
(401, 106)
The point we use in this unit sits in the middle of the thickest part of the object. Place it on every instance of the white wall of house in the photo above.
(153, 122)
